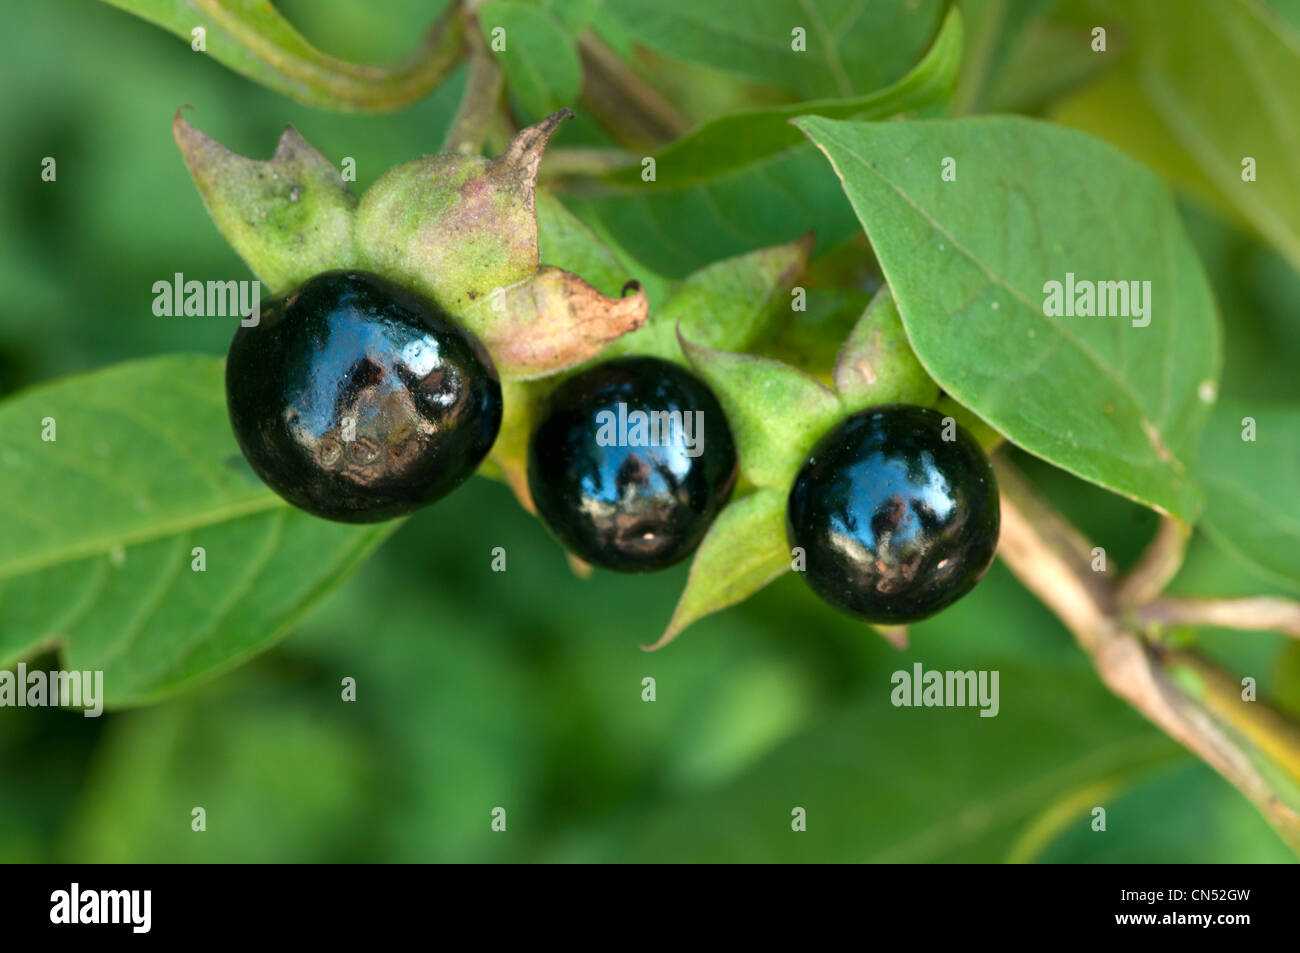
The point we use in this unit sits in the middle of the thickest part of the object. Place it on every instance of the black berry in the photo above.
(895, 522)
(358, 400)
(631, 463)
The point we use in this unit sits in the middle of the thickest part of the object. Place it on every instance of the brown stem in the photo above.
(635, 113)
(483, 101)
(1253, 613)
(1064, 581)
(585, 161)
(1158, 564)
(1053, 560)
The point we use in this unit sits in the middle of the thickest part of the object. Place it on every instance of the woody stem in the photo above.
(1254, 747)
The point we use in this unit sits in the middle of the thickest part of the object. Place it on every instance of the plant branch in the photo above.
(323, 80)
(1271, 730)
(634, 112)
(482, 104)
(1252, 614)
(1158, 564)
(585, 161)
(1246, 742)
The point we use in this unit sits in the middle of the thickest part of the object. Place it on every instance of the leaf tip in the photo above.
(522, 159)
(202, 153)
(188, 139)
(290, 142)
(689, 347)
(556, 320)
(674, 629)
(895, 635)
(581, 568)
(516, 478)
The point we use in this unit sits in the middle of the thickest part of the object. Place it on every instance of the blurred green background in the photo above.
(523, 690)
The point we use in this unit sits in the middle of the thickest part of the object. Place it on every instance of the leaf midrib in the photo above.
(86, 548)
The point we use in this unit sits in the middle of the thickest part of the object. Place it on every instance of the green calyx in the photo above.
(464, 231)
(777, 413)
(289, 217)
(460, 229)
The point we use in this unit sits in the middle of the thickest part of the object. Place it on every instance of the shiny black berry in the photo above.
(895, 522)
(631, 463)
(358, 400)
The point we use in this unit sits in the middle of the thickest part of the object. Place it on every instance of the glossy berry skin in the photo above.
(896, 522)
(630, 508)
(358, 400)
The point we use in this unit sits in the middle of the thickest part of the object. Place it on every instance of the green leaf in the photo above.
(744, 550)
(746, 181)
(1286, 679)
(313, 769)
(994, 28)
(959, 787)
(876, 364)
(742, 139)
(1287, 11)
(540, 60)
(255, 40)
(142, 470)
(678, 231)
(1159, 811)
(1023, 54)
(969, 262)
(812, 338)
(565, 241)
(851, 47)
(776, 411)
(726, 305)
(573, 15)
(1115, 108)
(289, 217)
(1241, 107)
(1252, 508)
(984, 435)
